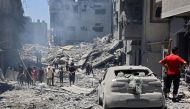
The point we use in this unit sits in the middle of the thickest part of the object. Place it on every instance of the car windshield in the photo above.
(131, 72)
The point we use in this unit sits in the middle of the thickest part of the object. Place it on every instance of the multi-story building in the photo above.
(178, 14)
(35, 32)
(11, 23)
(138, 23)
(79, 20)
(128, 26)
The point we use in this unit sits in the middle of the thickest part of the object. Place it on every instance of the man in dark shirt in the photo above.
(173, 64)
(72, 70)
(89, 69)
(61, 75)
(41, 74)
(29, 75)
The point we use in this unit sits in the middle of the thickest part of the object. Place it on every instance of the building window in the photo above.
(158, 12)
(97, 6)
(84, 28)
(98, 27)
(155, 12)
(100, 11)
(84, 8)
(75, 8)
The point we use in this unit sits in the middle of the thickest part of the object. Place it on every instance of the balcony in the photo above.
(175, 8)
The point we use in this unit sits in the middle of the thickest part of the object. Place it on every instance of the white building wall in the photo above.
(175, 7)
(153, 36)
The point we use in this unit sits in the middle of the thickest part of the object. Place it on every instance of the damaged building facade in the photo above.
(11, 24)
(35, 32)
(127, 26)
(178, 14)
(79, 20)
(145, 34)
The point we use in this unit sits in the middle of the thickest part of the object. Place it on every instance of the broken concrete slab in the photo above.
(102, 60)
(68, 47)
(114, 46)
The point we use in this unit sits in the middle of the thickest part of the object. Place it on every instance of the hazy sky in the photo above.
(36, 9)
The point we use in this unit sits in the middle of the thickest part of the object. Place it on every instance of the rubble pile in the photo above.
(29, 52)
(83, 95)
(54, 97)
(101, 51)
(184, 95)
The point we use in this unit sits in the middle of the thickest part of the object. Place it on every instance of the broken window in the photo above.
(135, 72)
(84, 8)
(83, 28)
(100, 11)
(98, 27)
(158, 12)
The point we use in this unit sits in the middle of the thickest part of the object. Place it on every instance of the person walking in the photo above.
(41, 75)
(89, 69)
(53, 74)
(56, 62)
(72, 70)
(22, 78)
(172, 63)
(29, 75)
(49, 75)
(61, 75)
(20, 74)
(34, 74)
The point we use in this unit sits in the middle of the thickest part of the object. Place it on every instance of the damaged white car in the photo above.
(130, 87)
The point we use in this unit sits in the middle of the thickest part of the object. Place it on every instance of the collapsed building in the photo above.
(11, 25)
(79, 20)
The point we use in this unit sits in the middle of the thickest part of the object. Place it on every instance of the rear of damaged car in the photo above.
(132, 88)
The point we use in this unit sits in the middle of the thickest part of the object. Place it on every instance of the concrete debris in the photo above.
(42, 96)
(102, 60)
(68, 47)
(5, 87)
(101, 53)
(78, 90)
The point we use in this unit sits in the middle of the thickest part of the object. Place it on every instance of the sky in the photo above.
(36, 9)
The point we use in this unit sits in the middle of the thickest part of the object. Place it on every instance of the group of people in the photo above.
(70, 68)
(30, 75)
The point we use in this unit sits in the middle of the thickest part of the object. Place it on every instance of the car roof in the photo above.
(128, 67)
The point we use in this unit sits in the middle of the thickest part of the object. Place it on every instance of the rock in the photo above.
(51, 99)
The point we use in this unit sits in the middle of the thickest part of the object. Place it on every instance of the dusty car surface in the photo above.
(130, 87)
